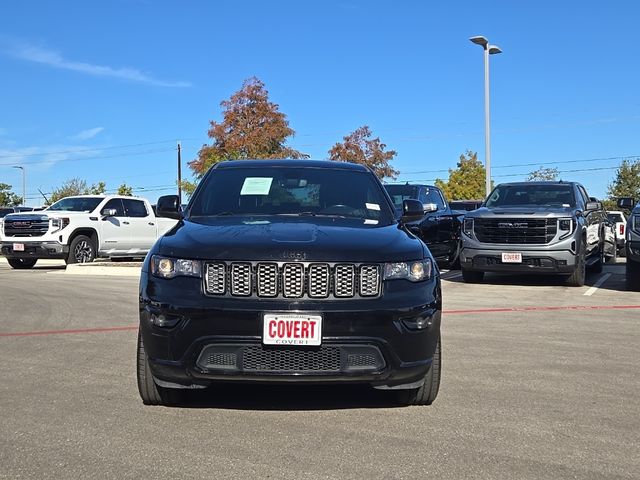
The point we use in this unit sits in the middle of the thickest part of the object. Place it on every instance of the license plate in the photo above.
(511, 257)
(18, 247)
(292, 329)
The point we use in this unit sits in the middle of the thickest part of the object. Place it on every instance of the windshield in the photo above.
(400, 193)
(76, 204)
(292, 191)
(534, 194)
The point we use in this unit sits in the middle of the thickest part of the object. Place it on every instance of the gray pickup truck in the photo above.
(632, 243)
(535, 227)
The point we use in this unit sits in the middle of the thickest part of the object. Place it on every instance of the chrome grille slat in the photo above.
(216, 279)
(369, 280)
(319, 283)
(241, 279)
(267, 280)
(292, 279)
(344, 281)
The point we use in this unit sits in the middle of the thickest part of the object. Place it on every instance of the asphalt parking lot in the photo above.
(540, 381)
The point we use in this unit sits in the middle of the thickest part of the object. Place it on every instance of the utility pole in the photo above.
(179, 174)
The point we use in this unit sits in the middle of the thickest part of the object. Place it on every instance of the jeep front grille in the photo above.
(516, 230)
(292, 280)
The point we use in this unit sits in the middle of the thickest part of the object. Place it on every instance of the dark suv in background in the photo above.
(439, 226)
(289, 271)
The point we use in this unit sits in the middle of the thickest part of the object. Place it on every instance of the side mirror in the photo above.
(108, 212)
(169, 206)
(412, 210)
(626, 202)
(430, 207)
(593, 206)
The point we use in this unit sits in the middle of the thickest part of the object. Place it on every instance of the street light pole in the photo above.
(24, 184)
(488, 50)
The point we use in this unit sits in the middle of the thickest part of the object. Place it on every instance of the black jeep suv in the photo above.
(289, 271)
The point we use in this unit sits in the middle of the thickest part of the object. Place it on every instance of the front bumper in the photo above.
(40, 249)
(370, 341)
(533, 261)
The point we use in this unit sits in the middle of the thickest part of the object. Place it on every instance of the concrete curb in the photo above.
(122, 269)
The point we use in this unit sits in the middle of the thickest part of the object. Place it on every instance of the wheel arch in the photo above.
(92, 233)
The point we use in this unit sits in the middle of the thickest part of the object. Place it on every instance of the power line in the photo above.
(535, 164)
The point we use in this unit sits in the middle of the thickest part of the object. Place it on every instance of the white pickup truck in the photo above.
(80, 229)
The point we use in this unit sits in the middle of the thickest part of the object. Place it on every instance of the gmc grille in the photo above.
(26, 226)
(292, 280)
(515, 230)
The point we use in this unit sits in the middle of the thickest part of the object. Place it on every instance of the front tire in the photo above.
(81, 250)
(577, 278)
(632, 273)
(470, 276)
(22, 263)
(427, 393)
(151, 393)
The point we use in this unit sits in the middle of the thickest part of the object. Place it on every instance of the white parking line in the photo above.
(597, 285)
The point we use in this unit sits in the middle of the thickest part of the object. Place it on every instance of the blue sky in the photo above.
(102, 91)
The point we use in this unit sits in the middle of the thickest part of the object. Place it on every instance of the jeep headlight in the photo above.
(414, 271)
(165, 267)
(467, 227)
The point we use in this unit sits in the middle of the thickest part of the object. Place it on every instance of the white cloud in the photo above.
(87, 134)
(54, 59)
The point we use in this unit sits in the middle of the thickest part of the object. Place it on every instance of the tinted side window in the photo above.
(135, 208)
(115, 203)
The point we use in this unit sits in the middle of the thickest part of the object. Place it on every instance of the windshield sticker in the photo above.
(256, 186)
(566, 205)
(372, 206)
(369, 221)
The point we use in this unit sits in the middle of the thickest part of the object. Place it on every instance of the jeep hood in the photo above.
(323, 239)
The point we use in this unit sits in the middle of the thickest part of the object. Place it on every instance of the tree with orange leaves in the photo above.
(359, 147)
(252, 128)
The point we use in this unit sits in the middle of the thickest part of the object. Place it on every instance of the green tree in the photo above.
(359, 147)
(626, 183)
(543, 174)
(125, 189)
(76, 186)
(252, 128)
(7, 197)
(467, 181)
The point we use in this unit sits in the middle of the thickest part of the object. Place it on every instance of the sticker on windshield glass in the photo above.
(372, 206)
(256, 186)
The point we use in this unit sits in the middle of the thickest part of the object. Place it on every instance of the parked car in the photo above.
(535, 227)
(620, 223)
(465, 205)
(439, 226)
(79, 229)
(289, 271)
(4, 211)
(632, 245)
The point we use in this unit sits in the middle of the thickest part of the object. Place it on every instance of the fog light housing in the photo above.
(421, 322)
(164, 320)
